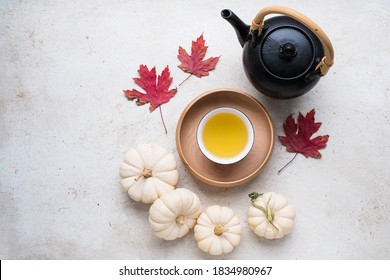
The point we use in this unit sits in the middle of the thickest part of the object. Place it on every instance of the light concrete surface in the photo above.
(65, 126)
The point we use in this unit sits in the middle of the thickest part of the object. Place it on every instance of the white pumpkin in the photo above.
(270, 215)
(218, 230)
(147, 172)
(173, 214)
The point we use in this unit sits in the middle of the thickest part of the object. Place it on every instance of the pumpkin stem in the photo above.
(146, 173)
(270, 214)
(180, 219)
(220, 229)
(266, 210)
(254, 195)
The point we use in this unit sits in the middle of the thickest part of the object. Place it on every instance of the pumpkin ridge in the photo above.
(214, 213)
(173, 201)
(149, 160)
(128, 170)
(233, 221)
(127, 182)
(135, 190)
(162, 187)
(191, 209)
(280, 205)
(133, 158)
(287, 212)
(166, 163)
(226, 216)
(204, 220)
(149, 189)
(159, 208)
(167, 232)
(231, 237)
(166, 176)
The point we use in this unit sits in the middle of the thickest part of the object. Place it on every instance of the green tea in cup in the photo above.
(225, 135)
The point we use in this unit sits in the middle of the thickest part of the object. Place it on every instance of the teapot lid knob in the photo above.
(287, 50)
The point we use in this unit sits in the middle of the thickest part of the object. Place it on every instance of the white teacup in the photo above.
(225, 135)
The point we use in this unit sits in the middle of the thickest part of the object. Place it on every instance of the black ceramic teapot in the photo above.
(283, 56)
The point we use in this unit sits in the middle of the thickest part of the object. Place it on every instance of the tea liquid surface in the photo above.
(225, 135)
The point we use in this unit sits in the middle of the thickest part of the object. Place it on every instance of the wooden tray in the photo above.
(224, 175)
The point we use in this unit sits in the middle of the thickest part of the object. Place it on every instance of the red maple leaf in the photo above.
(194, 63)
(155, 94)
(157, 90)
(298, 136)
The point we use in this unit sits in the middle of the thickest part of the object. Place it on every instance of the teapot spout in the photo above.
(242, 29)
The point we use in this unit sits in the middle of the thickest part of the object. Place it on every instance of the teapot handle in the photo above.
(327, 61)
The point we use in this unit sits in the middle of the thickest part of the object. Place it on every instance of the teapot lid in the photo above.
(287, 52)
